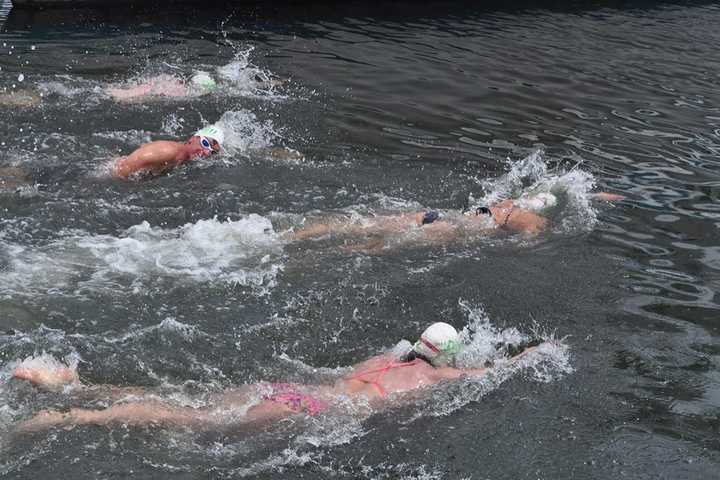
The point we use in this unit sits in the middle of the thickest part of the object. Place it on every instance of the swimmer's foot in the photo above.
(47, 378)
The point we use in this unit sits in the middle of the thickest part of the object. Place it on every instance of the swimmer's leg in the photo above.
(263, 412)
(313, 231)
(157, 413)
(373, 246)
(132, 413)
(48, 378)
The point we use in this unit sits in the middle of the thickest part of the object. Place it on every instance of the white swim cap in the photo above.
(438, 343)
(203, 81)
(216, 133)
(537, 202)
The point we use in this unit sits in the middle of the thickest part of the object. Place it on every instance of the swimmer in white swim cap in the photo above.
(523, 215)
(376, 382)
(163, 155)
(439, 344)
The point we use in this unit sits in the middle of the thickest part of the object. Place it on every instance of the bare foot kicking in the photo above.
(47, 378)
(44, 420)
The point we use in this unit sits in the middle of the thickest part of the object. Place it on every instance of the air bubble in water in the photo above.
(21, 77)
(32, 47)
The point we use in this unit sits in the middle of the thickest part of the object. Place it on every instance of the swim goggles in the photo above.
(207, 144)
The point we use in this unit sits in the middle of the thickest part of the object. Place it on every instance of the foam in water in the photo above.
(245, 133)
(530, 176)
(243, 252)
(242, 78)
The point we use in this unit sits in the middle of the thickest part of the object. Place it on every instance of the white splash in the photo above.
(530, 176)
(245, 252)
(245, 133)
(241, 78)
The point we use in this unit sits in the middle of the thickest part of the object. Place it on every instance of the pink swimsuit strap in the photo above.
(381, 373)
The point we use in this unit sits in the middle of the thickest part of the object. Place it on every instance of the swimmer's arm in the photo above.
(150, 157)
(608, 197)
(126, 166)
(127, 94)
(524, 221)
(450, 373)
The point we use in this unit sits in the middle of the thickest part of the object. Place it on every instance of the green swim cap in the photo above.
(439, 343)
(204, 81)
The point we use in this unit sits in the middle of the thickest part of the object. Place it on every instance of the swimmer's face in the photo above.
(204, 146)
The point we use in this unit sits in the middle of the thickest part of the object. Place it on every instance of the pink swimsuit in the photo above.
(288, 394)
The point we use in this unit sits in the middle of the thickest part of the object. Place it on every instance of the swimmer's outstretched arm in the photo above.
(159, 86)
(607, 197)
(456, 373)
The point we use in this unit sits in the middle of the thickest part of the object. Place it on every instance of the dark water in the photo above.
(394, 107)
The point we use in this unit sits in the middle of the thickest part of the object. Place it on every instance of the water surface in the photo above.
(184, 282)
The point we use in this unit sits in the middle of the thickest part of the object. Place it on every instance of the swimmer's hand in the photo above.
(513, 350)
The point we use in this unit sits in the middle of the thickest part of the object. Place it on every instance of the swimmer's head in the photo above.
(210, 138)
(203, 82)
(206, 141)
(439, 343)
(477, 211)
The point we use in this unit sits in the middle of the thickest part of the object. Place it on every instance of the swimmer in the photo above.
(201, 83)
(370, 386)
(169, 86)
(522, 215)
(161, 86)
(160, 156)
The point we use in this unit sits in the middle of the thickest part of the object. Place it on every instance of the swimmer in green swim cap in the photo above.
(200, 83)
(161, 156)
(369, 386)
